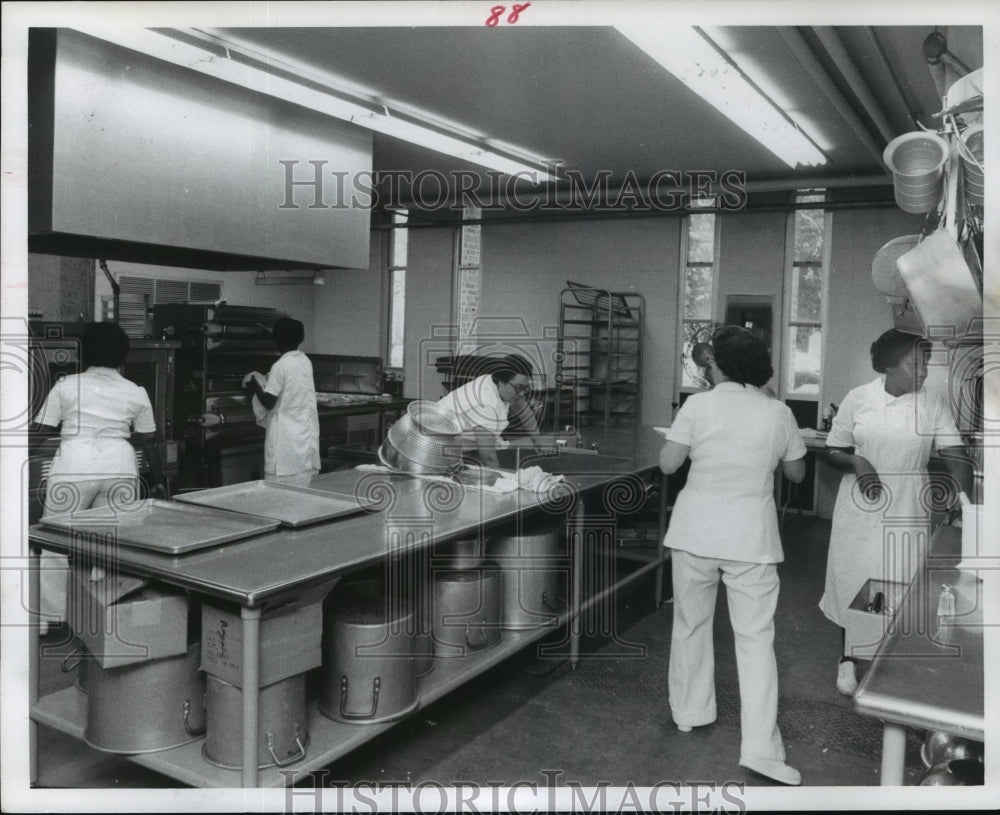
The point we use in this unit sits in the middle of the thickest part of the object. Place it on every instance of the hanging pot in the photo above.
(885, 275)
(146, 706)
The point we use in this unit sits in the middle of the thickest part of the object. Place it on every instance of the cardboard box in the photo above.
(122, 619)
(290, 639)
(865, 629)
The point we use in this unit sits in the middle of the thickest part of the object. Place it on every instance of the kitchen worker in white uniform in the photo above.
(724, 526)
(291, 443)
(483, 407)
(881, 440)
(101, 418)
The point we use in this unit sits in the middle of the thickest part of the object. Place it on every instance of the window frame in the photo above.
(391, 270)
(789, 325)
(682, 319)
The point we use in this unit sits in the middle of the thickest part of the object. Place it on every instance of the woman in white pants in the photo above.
(724, 526)
(101, 418)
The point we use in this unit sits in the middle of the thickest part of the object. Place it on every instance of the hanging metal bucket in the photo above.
(282, 734)
(467, 610)
(369, 673)
(534, 582)
(146, 706)
(971, 148)
(917, 163)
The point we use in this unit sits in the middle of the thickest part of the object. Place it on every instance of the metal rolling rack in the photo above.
(599, 362)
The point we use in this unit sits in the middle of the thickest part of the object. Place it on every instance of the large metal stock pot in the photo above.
(369, 671)
(426, 440)
(146, 706)
(467, 610)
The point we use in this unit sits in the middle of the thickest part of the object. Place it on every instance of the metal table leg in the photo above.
(577, 532)
(893, 754)
(662, 550)
(34, 652)
(251, 693)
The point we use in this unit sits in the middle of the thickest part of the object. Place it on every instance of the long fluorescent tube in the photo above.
(310, 94)
(695, 60)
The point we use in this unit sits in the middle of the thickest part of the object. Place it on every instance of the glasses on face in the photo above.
(520, 388)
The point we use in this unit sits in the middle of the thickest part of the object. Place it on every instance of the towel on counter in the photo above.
(528, 478)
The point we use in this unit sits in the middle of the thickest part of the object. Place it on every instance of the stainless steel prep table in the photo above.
(413, 514)
(924, 677)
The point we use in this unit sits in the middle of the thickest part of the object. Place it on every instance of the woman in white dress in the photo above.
(881, 440)
(724, 528)
(101, 418)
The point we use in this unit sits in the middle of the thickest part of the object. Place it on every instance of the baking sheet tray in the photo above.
(164, 526)
(286, 503)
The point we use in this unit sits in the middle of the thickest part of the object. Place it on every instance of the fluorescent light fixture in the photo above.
(696, 61)
(233, 62)
(289, 279)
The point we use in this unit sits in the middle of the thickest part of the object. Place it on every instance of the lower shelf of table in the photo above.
(66, 711)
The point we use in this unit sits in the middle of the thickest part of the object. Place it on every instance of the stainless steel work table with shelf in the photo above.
(923, 675)
(409, 515)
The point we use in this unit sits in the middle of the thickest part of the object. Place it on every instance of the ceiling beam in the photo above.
(830, 40)
(800, 48)
(889, 71)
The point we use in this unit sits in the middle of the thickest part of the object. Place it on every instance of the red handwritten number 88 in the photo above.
(497, 11)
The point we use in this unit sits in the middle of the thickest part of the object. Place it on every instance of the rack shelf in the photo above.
(600, 355)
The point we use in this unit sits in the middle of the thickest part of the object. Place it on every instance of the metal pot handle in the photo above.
(485, 637)
(376, 688)
(187, 718)
(545, 602)
(77, 652)
(287, 761)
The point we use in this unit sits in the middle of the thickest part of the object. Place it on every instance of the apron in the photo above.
(885, 539)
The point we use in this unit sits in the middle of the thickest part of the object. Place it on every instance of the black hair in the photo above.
(891, 347)
(288, 333)
(742, 356)
(506, 368)
(104, 345)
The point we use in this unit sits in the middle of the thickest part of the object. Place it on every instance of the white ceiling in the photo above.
(587, 96)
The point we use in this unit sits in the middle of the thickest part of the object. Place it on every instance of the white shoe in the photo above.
(684, 728)
(847, 680)
(773, 769)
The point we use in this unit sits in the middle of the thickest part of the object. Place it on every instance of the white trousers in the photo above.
(68, 494)
(752, 595)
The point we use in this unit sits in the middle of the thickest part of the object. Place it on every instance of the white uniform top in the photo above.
(98, 410)
(885, 538)
(291, 445)
(477, 404)
(737, 437)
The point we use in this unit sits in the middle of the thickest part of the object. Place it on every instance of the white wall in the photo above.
(526, 266)
(429, 293)
(349, 318)
(858, 313)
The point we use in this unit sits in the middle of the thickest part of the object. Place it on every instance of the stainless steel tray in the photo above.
(164, 526)
(289, 504)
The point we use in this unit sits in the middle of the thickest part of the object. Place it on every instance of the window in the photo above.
(397, 289)
(697, 295)
(805, 299)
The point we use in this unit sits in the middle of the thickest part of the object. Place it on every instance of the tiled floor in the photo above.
(606, 721)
